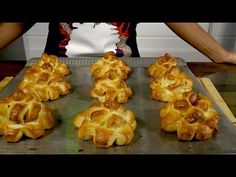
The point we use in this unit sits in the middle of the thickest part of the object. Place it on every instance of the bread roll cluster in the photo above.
(168, 81)
(108, 122)
(23, 113)
(46, 78)
(189, 114)
(192, 117)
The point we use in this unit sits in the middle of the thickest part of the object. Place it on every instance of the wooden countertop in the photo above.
(10, 68)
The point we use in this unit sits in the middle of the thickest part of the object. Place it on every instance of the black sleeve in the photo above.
(132, 40)
(53, 39)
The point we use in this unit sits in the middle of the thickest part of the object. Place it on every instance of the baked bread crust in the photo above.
(162, 65)
(108, 122)
(171, 86)
(23, 114)
(110, 66)
(191, 117)
(107, 90)
(46, 78)
(105, 126)
(51, 63)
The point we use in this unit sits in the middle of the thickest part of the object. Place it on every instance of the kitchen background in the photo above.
(154, 39)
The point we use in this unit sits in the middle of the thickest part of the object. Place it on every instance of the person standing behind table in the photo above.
(74, 39)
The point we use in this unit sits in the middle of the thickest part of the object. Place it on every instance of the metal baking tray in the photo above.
(148, 139)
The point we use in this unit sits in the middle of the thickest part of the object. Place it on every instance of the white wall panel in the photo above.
(225, 34)
(228, 42)
(159, 29)
(32, 53)
(187, 55)
(39, 29)
(224, 29)
(34, 45)
(162, 43)
(35, 40)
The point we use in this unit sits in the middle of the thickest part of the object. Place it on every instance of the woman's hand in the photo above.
(230, 57)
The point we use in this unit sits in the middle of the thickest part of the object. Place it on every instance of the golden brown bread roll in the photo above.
(162, 65)
(171, 86)
(46, 78)
(51, 63)
(191, 117)
(106, 126)
(109, 66)
(46, 85)
(111, 90)
(23, 114)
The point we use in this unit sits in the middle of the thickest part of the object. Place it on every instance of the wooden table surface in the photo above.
(10, 68)
(223, 76)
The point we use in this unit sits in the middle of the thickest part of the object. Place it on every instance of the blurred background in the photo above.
(154, 39)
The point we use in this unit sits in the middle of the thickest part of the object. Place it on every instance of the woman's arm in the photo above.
(193, 34)
(9, 32)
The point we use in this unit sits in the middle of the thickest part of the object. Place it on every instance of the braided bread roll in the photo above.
(192, 117)
(111, 90)
(51, 63)
(109, 66)
(105, 125)
(171, 86)
(46, 85)
(23, 114)
(162, 65)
